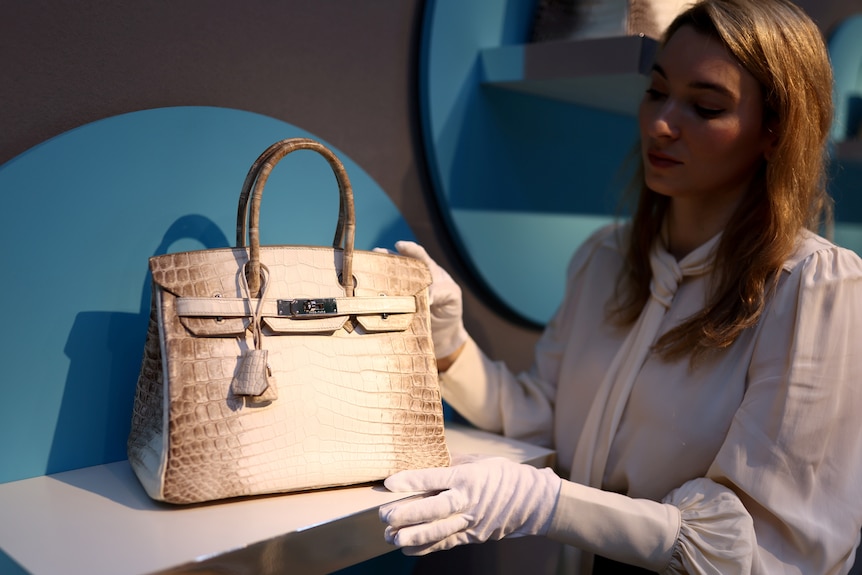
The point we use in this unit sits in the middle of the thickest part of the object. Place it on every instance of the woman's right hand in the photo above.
(444, 295)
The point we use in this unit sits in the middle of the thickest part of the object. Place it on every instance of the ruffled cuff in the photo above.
(716, 534)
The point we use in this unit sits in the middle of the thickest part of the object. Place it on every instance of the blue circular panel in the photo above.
(85, 211)
(522, 179)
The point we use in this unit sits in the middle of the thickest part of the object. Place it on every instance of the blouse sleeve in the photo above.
(793, 454)
(521, 405)
(783, 493)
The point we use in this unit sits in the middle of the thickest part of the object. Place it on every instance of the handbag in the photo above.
(270, 369)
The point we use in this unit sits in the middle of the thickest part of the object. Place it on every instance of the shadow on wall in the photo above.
(104, 350)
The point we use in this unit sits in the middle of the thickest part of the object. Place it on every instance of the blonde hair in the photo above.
(778, 44)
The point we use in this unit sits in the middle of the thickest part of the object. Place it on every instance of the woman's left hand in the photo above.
(475, 502)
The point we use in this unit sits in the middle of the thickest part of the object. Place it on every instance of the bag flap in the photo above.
(214, 316)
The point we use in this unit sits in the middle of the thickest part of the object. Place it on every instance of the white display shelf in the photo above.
(99, 521)
(603, 73)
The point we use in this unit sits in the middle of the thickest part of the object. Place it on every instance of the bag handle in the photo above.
(252, 189)
(242, 210)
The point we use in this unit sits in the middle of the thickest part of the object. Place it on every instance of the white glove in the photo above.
(444, 295)
(485, 500)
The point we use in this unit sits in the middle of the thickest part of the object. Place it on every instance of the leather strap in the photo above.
(248, 210)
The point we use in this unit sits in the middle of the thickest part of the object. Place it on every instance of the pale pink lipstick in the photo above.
(661, 160)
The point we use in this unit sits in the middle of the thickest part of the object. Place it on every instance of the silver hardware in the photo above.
(307, 307)
(219, 319)
(383, 316)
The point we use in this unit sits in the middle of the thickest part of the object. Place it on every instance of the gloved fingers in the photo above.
(383, 251)
(427, 533)
(460, 538)
(432, 479)
(413, 250)
(428, 509)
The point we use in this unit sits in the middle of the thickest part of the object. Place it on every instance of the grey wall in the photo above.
(345, 71)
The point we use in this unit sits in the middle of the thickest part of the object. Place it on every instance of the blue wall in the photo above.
(86, 210)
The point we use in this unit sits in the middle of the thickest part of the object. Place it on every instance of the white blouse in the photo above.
(747, 462)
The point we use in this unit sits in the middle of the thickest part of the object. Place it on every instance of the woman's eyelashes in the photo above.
(654, 94)
(708, 112)
(704, 111)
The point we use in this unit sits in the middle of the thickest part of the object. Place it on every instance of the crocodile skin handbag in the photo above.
(272, 369)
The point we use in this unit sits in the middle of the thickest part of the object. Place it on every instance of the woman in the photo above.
(700, 381)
